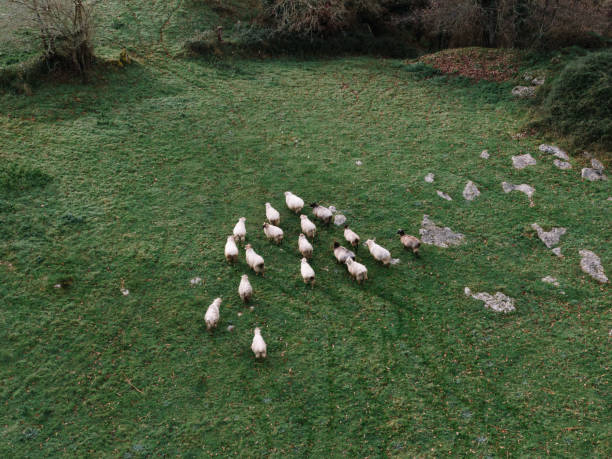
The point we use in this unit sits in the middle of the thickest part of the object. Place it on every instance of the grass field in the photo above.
(136, 179)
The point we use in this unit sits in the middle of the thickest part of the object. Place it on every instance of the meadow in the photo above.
(135, 179)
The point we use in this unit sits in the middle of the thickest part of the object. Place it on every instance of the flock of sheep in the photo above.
(274, 233)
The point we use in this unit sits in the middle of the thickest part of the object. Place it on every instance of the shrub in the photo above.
(578, 102)
(17, 178)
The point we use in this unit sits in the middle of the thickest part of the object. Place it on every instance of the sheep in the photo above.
(409, 242)
(258, 346)
(272, 214)
(308, 227)
(295, 203)
(240, 229)
(322, 213)
(307, 272)
(231, 250)
(273, 233)
(378, 252)
(255, 261)
(357, 271)
(212, 314)
(342, 253)
(304, 246)
(244, 289)
(351, 236)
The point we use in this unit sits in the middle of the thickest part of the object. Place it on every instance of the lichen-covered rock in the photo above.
(593, 174)
(522, 161)
(443, 195)
(550, 280)
(524, 91)
(523, 188)
(438, 236)
(597, 165)
(591, 264)
(557, 251)
(562, 164)
(549, 238)
(429, 178)
(485, 154)
(556, 151)
(470, 192)
(498, 302)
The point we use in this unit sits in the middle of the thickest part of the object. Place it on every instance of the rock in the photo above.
(485, 154)
(523, 188)
(438, 236)
(562, 164)
(125, 291)
(523, 91)
(429, 178)
(549, 238)
(498, 302)
(470, 192)
(550, 280)
(553, 150)
(557, 251)
(522, 161)
(444, 195)
(359, 163)
(339, 219)
(196, 281)
(597, 165)
(230, 328)
(591, 264)
(538, 81)
(251, 308)
(593, 174)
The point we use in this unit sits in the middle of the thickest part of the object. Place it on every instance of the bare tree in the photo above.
(66, 29)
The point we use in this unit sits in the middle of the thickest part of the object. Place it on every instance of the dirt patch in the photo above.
(476, 63)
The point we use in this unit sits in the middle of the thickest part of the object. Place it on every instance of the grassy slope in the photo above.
(160, 160)
(151, 167)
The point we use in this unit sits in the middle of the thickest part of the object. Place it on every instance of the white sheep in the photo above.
(244, 289)
(273, 233)
(378, 252)
(231, 249)
(322, 213)
(258, 346)
(295, 203)
(351, 236)
(304, 246)
(255, 261)
(307, 272)
(240, 229)
(308, 227)
(357, 271)
(212, 314)
(272, 214)
(342, 253)
(409, 242)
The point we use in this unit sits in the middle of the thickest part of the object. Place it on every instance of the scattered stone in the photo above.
(444, 195)
(239, 314)
(429, 178)
(550, 280)
(549, 238)
(593, 174)
(597, 165)
(523, 91)
(523, 188)
(498, 302)
(125, 291)
(591, 264)
(553, 150)
(230, 328)
(359, 163)
(339, 220)
(557, 251)
(610, 198)
(522, 161)
(438, 236)
(538, 81)
(485, 154)
(196, 281)
(470, 192)
(562, 164)
(252, 308)
(57, 286)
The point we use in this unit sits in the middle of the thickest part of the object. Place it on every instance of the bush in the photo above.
(17, 178)
(578, 102)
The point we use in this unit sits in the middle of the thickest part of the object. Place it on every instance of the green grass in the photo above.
(137, 178)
